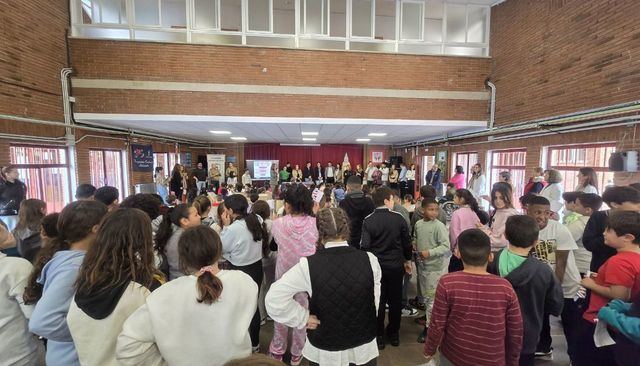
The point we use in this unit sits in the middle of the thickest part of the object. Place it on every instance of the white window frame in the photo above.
(322, 15)
(401, 20)
(245, 13)
(192, 10)
(373, 22)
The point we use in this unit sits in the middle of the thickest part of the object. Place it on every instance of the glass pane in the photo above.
(464, 51)
(259, 15)
(161, 36)
(147, 12)
(114, 177)
(477, 24)
(174, 14)
(361, 18)
(385, 20)
(456, 21)
(284, 17)
(435, 9)
(37, 155)
(316, 14)
(96, 168)
(87, 12)
(31, 178)
(206, 14)
(411, 20)
(55, 182)
(113, 11)
(231, 15)
(338, 18)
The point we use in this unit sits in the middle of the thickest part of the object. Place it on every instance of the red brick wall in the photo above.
(552, 57)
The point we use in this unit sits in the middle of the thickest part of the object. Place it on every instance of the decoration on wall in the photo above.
(142, 158)
(377, 156)
(218, 160)
(441, 160)
(185, 159)
(231, 159)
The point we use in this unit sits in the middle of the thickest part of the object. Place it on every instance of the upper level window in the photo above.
(569, 159)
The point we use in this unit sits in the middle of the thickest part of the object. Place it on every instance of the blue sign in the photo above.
(142, 158)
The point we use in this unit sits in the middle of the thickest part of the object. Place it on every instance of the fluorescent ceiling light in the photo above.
(309, 133)
(239, 138)
(363, 140)
(308, 139)
(378, 134)
(221, 132)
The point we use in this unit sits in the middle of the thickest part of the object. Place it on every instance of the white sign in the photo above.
(216, 159)
(262, 169)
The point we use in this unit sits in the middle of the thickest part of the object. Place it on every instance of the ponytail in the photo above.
(165, 230)
(473, 205)
(239, 205)
(209, 287)
(200, 247)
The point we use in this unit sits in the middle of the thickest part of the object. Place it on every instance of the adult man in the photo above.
(329, 173)
(386, 234)
(357, 206)
(385, 174)
(403, 180)
(200, 176)
(434, 178)
(214, 176)
(318, 174)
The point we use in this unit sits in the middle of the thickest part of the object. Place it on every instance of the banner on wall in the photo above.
(218, 160)
(185, 159)
(377, 156)
(142, 158)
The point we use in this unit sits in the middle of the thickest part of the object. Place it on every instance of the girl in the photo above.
(478, 182)
(553, 192)
(244, 239)
(262, 209)
(203, 207)
(50, 285)
(117, 275)
(27, 232)
(175, 184)
(174, 222)
(295, 235)
(501, 200)
(411, 179)
(161, 182)
(458, 178)
(49, 228)
(467, 216)
(587, 181)
(409, 204)
(12, 192)
(340, 335)
(393, 177)
(198, 319)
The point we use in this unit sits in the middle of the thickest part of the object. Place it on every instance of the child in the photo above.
(338, 193)
(555, 247)
(27, 232)
(198, 319)
(618, 199)
(53, 276)
(117, 274)
(539, 293)
(262, 209)
(582, 206)
(108, 195)
(476, 318)
(431, 241)
(173, 224)
(501, 195)
(624, 318)
(617, 279)
(344, 288)
(467, 216)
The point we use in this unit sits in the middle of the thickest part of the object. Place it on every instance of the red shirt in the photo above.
(475, 321)
(623, 269)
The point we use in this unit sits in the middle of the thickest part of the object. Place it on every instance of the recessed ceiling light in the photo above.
(309, 133)
(239, 138)
(308, 139)
(363, 140)
(221, 132)
(377, 134)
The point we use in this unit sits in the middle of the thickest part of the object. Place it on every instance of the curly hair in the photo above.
(146, 202)
(332, 224)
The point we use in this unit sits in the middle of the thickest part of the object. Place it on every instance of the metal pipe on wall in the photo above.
(492, 105)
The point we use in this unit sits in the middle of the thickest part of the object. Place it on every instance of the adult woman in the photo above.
(12, 192)
(117, 275)
(411, 179)
(175, 184)
(27, 232)
(198, 319)
(393, 177)
(501, 200)
(214, 177)
(174, 222)
(536, 182)
(338, 174)
(296, 174)
(244, 239)
(231, 169)
(295, 235)
(359, 171)
(458, 178)
(161, 182)
(553, 192)
(346, 172)
(478, 182)
(587, 181)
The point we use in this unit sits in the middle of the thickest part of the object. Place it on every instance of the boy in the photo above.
(476, 318)
(538, 291)
(582, 206)
(617, 279)
(431, 241)
(555, 247)
(357, 206)
(107, 195)
(618, 199)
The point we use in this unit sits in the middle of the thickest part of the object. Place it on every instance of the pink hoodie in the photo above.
(296, 237)
(458, 181)
(498, 224)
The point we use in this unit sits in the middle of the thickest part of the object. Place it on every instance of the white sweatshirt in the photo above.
(174, 328)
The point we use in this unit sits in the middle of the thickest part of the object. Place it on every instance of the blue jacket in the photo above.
(437, 179)
(49, 318)
(616, 314)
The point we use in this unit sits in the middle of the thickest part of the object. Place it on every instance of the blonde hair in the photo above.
(554, 176)
(332, 224)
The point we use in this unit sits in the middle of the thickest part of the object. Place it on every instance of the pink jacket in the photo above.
(296, 237)
(462, 219)
(496, 231)
(458, 180)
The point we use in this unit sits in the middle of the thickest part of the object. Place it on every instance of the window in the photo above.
(104, 11)
(260, 13)
(161, 160)
(45, 171)
(362, 18)
(569, 159)
(385, 20)
(206, 14)
(412, 20)
(315, 17)
(427, 163)
(466, 160)
(513, 161)
(106, 169)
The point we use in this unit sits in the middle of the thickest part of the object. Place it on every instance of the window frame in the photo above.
(467, 169)
(518, 187)
(575, 168)
(123, 176)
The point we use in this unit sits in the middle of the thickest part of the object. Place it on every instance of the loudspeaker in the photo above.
(395, 160)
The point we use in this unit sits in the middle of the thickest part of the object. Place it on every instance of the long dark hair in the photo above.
(172, 217)
(31, 214)
(506, 192)
(299, 199)
(592, 177)
(468, 198)
(75, 223)
(122, 252)
(200, 247)
(239, 205)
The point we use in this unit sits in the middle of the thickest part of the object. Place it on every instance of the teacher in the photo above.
(12, 193)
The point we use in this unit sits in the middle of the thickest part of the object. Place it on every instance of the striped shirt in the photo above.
(475, 321)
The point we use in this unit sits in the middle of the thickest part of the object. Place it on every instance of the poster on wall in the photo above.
(185, 159)
(231, 159)
(142, 158)
(218, 160)
(377, 156)
(262, 169)
(441, 160)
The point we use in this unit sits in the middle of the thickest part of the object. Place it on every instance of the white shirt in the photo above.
(553, 192)
(478, 186)
(238, 246)
(18, 346)
(173, 328)
(284, 309)
(369, 171)
(588, 189)
(556, 236)
(411, 175)
(385, 174)
(583, 256)
(246, 179)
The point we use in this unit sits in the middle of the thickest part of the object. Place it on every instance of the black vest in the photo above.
(343, 299)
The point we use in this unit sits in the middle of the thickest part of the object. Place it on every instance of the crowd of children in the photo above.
(152, 280)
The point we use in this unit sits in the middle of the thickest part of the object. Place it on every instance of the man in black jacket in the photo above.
(386, 234)
(357, 206)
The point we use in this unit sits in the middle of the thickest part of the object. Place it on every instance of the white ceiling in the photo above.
(282, 130)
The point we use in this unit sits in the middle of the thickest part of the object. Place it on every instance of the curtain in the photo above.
(301, 154)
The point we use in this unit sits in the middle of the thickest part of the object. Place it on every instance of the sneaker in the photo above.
(255, 349)
(422, 336)
(275, 357)
(546, 356)
(409, 312)
(418, 305)
(295, 360)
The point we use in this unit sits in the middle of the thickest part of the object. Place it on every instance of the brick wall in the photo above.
(552, 57)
